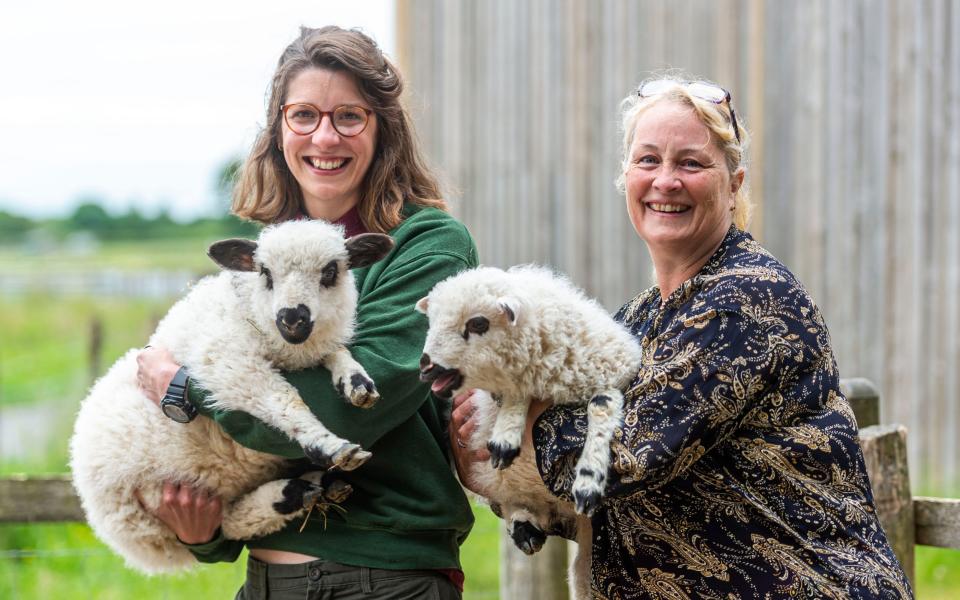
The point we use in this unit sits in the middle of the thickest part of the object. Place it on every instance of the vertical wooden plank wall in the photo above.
(855, 107)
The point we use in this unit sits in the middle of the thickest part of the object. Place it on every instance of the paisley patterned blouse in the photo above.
(736, 472)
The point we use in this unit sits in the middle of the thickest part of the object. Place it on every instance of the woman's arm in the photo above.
(194, 515)
(463, 425)
(702, 377)
(388, 343)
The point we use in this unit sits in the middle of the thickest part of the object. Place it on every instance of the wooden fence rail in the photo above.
(908, 520)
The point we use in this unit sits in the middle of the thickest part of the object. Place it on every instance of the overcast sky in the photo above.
(139, 103)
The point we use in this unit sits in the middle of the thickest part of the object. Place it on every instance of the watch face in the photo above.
(176, 413)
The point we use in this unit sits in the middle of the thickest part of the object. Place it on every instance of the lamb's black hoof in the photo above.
(318, 457)
(586, 502)
(329, 487)
(502, 455)
(527, 537)
(337, 491)
(360, 392)
(347, 457)
(296, 495)
(350, 456)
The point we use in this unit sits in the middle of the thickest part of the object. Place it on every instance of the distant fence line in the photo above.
(154, 284)
(854, 109)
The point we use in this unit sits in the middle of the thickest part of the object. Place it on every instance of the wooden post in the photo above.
(885, 453)
(864, 399)
(96, 346)
(542, 576)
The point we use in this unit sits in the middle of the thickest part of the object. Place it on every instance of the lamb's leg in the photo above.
(580, 575)
(603, 416)
(244, 381)
(504, 444)
(285, 410)
(352, 382)
(274, 504)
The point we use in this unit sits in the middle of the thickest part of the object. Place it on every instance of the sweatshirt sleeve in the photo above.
(388, 342)
(219, 549)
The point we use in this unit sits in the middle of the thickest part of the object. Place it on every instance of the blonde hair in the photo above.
(716, 117)
(266, 190)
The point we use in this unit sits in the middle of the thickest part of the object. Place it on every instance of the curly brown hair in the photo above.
(266, 190)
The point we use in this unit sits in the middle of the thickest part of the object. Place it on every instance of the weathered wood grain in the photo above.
(938, 521)
(32, 499)
(885, 453)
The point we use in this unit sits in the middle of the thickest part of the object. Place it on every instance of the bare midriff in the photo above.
(280, 557)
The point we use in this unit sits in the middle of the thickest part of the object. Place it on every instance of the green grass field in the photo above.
(44, 360)
(67, 561)
(187, 253)
(45, 342)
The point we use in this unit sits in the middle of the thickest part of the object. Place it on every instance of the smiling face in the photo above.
(329, 167)
(679, 192)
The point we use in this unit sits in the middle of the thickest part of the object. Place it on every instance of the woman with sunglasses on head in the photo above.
(736, 472)
(338, 145)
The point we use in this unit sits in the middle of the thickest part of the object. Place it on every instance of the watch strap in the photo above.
(175, 403)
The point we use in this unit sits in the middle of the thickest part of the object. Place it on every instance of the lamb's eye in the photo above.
(477, 325)
(328, 277)
(265, 271)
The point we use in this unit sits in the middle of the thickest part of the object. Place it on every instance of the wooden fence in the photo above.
(854, 108)
(908, 520)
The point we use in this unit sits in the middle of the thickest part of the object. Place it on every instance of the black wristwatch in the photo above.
(175, 403)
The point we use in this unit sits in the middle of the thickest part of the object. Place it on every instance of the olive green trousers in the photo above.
(324, 580)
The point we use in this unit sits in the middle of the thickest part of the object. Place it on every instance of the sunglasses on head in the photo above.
(701, 89)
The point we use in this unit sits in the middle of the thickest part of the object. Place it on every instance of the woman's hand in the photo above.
(155, 371)
(194, 515)
(462, 426)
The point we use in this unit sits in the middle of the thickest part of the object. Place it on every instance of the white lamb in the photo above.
(284, 302)
(522, 334)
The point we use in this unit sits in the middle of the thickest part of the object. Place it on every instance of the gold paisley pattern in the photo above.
(736, 472)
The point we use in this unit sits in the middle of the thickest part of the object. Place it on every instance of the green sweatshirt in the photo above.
(407, 510)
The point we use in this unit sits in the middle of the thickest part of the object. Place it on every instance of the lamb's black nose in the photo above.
(424, 361)
(292, 317)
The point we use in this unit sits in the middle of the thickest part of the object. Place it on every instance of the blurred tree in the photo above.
(132, 225)
(226, 178)
(13, 227)
(90, 216)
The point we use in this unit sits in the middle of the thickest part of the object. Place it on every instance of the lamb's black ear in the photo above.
(367, 248)
(234, 254)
